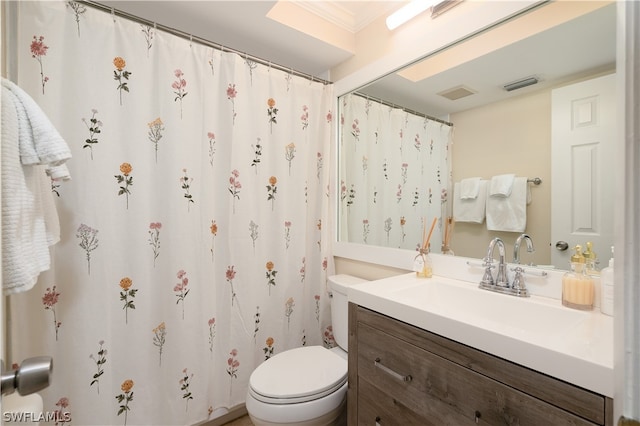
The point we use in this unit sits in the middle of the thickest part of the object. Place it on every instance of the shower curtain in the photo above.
(194, 229)
(395, 175)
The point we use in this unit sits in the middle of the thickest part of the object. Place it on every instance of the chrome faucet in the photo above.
(501, 283)
(501, 279)
(516, 247)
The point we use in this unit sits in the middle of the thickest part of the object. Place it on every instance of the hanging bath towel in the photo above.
(39, 141)
(471, 209)
(501, 185)
(469, 188)
(29, 218)
(509, 213)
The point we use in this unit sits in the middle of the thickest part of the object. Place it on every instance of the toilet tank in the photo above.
(338, 284)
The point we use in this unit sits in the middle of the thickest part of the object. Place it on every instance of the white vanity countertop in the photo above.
(536, 332)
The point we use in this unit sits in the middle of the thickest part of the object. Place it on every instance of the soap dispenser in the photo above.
(577, 286)
(590, 259)
(606, 304)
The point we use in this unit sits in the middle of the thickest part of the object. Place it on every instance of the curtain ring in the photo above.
(113, 14)
(155, 26)
(190, 40)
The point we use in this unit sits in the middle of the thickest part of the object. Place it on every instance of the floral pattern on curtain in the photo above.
(193, 231)
(394, 175)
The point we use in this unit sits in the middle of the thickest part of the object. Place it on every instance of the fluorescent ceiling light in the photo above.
(408, 12)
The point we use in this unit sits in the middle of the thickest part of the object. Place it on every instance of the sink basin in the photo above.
(537, 332)
(533, 318)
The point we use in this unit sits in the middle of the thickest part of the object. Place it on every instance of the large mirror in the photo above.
(493, 131)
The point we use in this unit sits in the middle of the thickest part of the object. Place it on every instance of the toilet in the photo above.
(308, 385)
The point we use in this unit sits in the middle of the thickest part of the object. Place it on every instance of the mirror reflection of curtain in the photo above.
(394, 174)
(192, 244)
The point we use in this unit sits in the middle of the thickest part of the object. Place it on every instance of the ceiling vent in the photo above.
(457, 92)
(521, 83)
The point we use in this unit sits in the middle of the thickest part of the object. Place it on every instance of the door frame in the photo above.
(627, 225)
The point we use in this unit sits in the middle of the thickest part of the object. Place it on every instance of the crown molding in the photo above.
(348, 18)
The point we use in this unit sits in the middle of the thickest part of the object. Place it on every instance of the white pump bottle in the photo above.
(606, 279)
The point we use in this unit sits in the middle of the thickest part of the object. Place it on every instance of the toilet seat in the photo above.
(298, 375)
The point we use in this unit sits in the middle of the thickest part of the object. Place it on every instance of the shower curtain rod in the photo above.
(410, 111)
(192, 38)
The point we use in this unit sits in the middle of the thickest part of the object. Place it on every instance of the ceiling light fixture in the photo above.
(407, 12)
(442, 7)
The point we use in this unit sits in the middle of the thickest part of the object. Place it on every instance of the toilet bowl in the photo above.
(306, 386)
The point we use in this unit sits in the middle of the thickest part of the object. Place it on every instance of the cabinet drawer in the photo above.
(439, 388)
(376, 407)
(556, 393)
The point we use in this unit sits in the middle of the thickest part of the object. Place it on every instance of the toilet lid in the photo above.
(299, 373)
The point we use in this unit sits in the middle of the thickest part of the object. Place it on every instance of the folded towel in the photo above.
(469, 188)
(39, 141)
(509, 213)
(470, 210)
(501, 185)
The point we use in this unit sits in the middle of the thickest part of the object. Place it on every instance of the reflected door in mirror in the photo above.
(583, 167)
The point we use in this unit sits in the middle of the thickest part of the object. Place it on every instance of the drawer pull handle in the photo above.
(389, 371)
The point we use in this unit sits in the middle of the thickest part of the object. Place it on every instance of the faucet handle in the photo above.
(518, 286)
(488, 262)
(487, 279)
(518, 280)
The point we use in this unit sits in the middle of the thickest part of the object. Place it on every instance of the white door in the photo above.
(583, 128)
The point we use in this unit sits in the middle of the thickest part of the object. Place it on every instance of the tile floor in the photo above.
(242, 421)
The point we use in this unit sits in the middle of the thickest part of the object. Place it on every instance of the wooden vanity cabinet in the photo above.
(403, 375)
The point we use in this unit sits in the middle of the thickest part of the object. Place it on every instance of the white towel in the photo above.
(29, 218)
(470, 210)
(39, 141)
(469, 188)
(58, 173)
(509, 213)
(25, 242)
(501, 185)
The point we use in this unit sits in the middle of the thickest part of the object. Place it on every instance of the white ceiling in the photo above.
(581, 47)
(564, 52)
(243, 25)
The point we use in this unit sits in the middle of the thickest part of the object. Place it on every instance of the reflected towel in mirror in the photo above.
(501, 185)
(469, 188)
(470, 210)
(509, 213)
